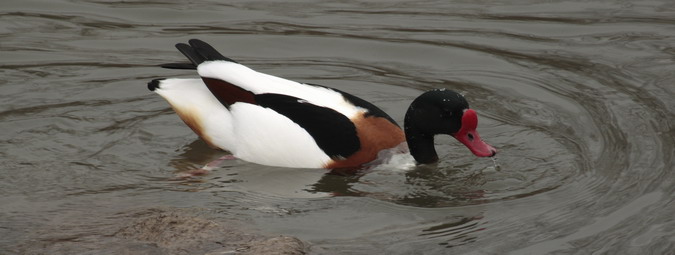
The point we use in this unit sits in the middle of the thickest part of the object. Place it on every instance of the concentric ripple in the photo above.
(576, 96)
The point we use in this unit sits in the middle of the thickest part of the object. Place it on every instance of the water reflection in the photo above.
(576, 95)
(456, 233)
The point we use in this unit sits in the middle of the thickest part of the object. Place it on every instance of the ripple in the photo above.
(576, 96)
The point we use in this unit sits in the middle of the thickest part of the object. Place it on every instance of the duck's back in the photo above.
(274, 121)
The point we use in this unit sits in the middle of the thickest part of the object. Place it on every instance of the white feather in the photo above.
(259, 83)
(269, 138)
(191, 96)
(396, 158)
(248, 131)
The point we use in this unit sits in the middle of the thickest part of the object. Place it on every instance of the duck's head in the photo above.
(447, 112)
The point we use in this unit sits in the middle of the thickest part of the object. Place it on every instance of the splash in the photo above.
(497, 166)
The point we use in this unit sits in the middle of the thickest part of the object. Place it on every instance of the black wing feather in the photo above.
(197, 52)
(207, 51)
(190, 53)
(187, 66)
(333, 132)
(372, 109)
(357, 101)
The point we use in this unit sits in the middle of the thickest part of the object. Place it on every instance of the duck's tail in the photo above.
(197, 51)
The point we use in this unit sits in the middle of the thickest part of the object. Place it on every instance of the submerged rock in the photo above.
(158, 231)
(276, 245)
(178, 232)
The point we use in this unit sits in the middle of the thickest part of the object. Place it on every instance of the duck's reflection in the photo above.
(423, 186)
(430, 186)
(194, 155)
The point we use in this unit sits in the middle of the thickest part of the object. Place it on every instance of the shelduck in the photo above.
(272, 121)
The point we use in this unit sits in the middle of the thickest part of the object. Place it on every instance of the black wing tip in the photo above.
(182, 46)
(191, 53)
(188, 66)
(194, 42)
(207, 51)
(197, 51)
(154, 84)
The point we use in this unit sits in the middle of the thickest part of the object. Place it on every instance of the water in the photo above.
(577, 97)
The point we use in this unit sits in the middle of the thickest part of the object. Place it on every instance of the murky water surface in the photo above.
(577, 96)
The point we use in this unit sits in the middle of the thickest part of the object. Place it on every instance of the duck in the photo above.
(268, 120)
